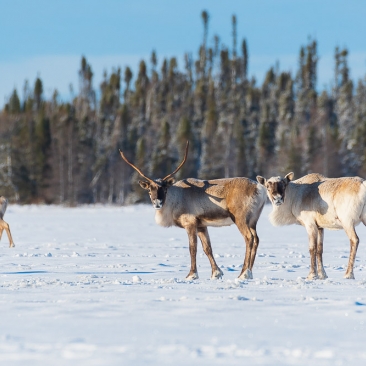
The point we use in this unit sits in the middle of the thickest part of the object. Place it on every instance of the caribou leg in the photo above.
(253, 252)
(319, 255)
(192, 236)
(353, 238)
(246, 273)
(206, 245)
(5, 226)
(312, 231)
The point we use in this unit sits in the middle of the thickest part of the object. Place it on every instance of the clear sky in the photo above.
(48, 37)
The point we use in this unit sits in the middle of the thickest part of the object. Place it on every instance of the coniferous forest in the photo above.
(68, 152)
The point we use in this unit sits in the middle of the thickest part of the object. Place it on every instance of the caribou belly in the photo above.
(218, 222)
(330, 222)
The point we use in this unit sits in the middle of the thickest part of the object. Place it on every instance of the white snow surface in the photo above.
(104, 285)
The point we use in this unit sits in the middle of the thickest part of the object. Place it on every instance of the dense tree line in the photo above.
(67, 152)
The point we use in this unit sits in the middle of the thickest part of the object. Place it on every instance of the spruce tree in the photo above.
(14, 103)
(38, 91)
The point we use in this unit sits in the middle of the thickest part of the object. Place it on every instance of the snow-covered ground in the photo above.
(105, 286)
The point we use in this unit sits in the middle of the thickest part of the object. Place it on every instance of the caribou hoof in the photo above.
(322, 275)
(312, 276)
(217, 274)
(349, 276)
(246, 275)
(11, 245)
(192, 276)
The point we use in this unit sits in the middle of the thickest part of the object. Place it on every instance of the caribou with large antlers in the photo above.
(319, 203)
(195, 204)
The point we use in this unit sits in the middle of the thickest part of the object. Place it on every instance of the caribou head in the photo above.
(276, 187)
(157, 188)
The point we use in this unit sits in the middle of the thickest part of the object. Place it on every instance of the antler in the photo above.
(135, 167)
(181, 164)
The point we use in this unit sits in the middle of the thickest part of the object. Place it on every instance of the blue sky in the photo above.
(47, 38)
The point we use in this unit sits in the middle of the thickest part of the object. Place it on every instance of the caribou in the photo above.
(4, 225)
(195, 204)
(319, 203)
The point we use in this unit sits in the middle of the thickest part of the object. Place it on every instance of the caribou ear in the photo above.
(144, 185)
(170, 181)
(289, 177)
(261, 180)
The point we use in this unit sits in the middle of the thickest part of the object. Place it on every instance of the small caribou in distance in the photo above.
(319, 203)
(4, 225)
(195, 204)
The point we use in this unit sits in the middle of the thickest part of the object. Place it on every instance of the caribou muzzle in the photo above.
(158, 204)
(278, 200)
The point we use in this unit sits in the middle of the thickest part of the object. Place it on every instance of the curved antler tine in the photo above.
(181, 164)
(135, 167)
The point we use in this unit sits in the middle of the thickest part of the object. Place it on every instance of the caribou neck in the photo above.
(282, 215)
(163, 217)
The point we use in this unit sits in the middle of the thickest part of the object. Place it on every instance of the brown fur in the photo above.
(319, 203)
(4, 225)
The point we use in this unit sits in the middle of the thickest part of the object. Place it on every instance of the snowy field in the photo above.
(105, 286)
